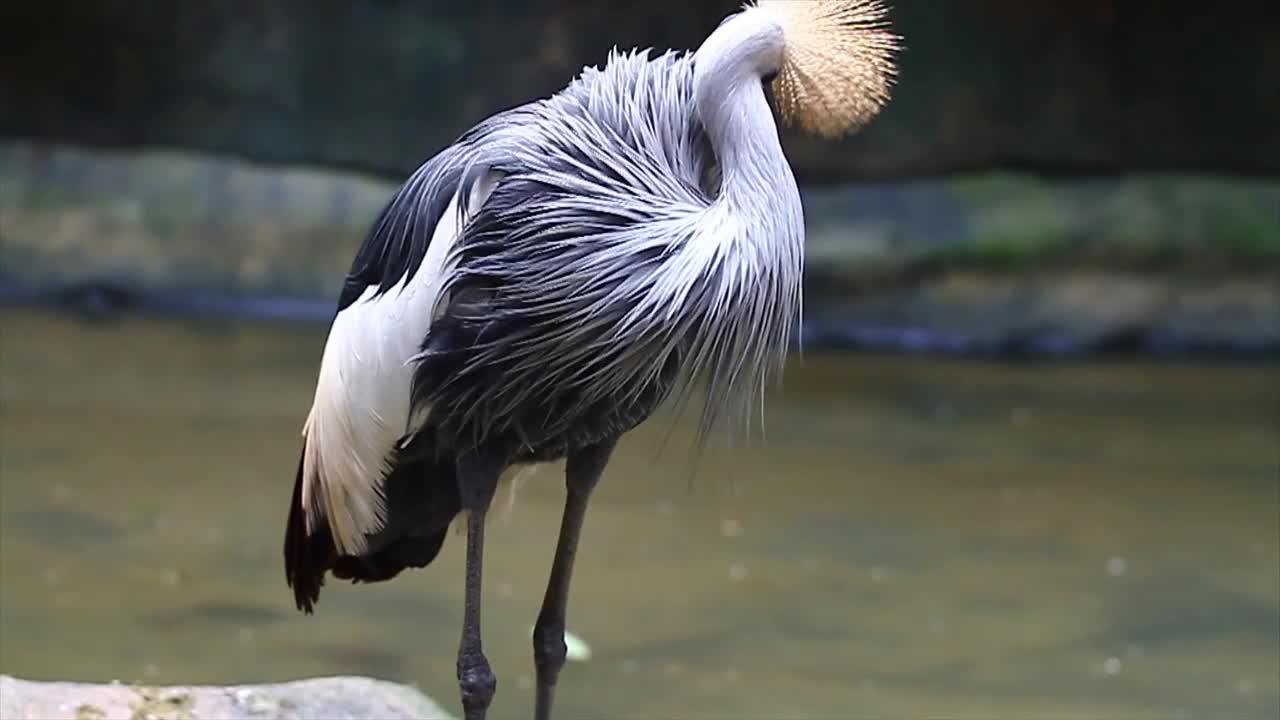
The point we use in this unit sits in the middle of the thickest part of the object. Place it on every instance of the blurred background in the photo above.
(1028, 463)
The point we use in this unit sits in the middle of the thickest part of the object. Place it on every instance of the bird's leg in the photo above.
(477, 481)
(582, 470)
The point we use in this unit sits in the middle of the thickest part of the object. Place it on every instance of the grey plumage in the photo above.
(608, 254)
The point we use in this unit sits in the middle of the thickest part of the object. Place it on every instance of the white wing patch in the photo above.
(361, 405)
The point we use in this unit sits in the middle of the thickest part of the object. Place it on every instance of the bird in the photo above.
(540, 287)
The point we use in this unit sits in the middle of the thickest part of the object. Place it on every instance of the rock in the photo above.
(1062, 313)
(332, 698)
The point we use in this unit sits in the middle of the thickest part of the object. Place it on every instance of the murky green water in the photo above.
(916, 538)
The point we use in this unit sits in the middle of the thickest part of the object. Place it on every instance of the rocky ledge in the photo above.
(991, 264)
(332, 698)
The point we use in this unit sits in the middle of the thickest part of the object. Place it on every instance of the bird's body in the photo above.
(568, 311)
(538, 289)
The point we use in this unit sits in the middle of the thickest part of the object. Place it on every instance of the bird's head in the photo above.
(830, 62)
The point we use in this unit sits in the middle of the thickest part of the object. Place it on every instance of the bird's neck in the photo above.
(753, 233)
(758, 193)
(757, 184)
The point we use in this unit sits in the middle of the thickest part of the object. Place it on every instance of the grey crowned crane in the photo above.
(536, 289)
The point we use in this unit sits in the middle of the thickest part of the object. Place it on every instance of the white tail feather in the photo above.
(361, 404)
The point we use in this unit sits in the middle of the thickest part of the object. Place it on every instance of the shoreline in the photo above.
(105, 301)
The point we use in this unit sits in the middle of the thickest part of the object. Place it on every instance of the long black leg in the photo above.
(477, 481)
(582, 470)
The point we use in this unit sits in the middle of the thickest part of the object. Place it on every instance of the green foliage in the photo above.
(1001, 250)
(1247, 231)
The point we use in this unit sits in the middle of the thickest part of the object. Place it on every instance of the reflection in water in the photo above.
(915, 537)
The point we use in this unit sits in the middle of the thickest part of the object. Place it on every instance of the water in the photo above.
(915, 538)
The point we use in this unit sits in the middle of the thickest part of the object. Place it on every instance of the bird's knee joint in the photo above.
(549, 649)
(477, 682)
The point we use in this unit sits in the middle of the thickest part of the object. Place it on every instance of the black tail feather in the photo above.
(306, 557)
(422, 500)
(406, 552)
